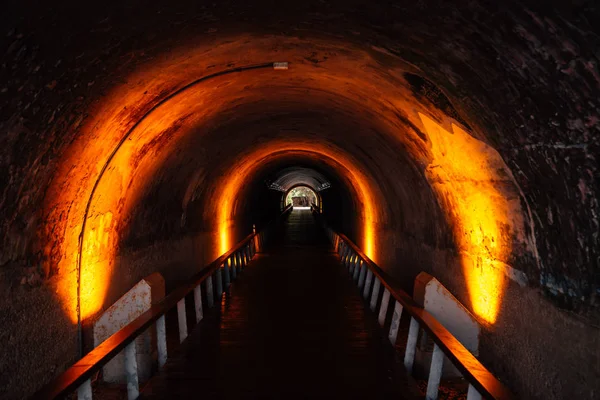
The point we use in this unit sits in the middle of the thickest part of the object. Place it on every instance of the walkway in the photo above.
(292, 327)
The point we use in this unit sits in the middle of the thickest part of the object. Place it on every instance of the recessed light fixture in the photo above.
(280, 65)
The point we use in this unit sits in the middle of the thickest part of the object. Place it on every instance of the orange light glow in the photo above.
(240, 172)
(116, 194)
(98, 254)
(463, 173)
(335, 84)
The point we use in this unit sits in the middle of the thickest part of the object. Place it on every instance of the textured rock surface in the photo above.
(75, 78)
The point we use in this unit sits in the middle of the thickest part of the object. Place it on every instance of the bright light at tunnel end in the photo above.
(240, 172)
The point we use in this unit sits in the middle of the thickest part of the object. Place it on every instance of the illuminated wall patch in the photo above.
(467, 176)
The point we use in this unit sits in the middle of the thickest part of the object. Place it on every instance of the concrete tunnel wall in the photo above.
(386, 101)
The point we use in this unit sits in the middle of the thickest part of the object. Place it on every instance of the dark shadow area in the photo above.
(292, 326)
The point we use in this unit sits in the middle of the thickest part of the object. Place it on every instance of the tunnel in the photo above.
(460, 139)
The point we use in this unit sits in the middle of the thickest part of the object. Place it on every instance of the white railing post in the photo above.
(357, 269)
(133, 388)
(375, 294)
(384, 306)
(435, 373)
(411, 345)
(210, 295)
(362, 275)
(84, 392)
(368, 282)
(233, 268)
(473, 394)
(219, 273)
(181, 319)
(395, 323)
(161, 341)
(198, 303)
(226, 277)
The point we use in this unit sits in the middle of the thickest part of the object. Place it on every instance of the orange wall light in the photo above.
(464, 173)
(240, 173)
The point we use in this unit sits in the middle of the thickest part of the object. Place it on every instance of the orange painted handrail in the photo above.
(471, 368)
(76, 375)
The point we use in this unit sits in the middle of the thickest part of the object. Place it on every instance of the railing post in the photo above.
(210, 295)
(363, 274)
(233, 268)
(161, 341)
(395, 323)
(351, 267)
(356, 269)
(133, 388)
(226, 277)
(198, 303)
(375, 294)
(238, 255)
(411, 345)
(435, 373)
(368, 282)
(84, 392)
(473, 394)
(384, 306)
(181, 318)
(219, 273)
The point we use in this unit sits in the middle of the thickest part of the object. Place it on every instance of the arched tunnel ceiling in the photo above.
(289, 177)
(462, 133)
(485, 60)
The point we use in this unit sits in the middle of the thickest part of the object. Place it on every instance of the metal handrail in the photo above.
(78, 376)
(370, 280)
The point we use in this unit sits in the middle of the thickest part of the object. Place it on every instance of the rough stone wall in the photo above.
(524, 77)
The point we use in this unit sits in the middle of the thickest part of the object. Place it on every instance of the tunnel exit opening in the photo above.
(301, 197)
